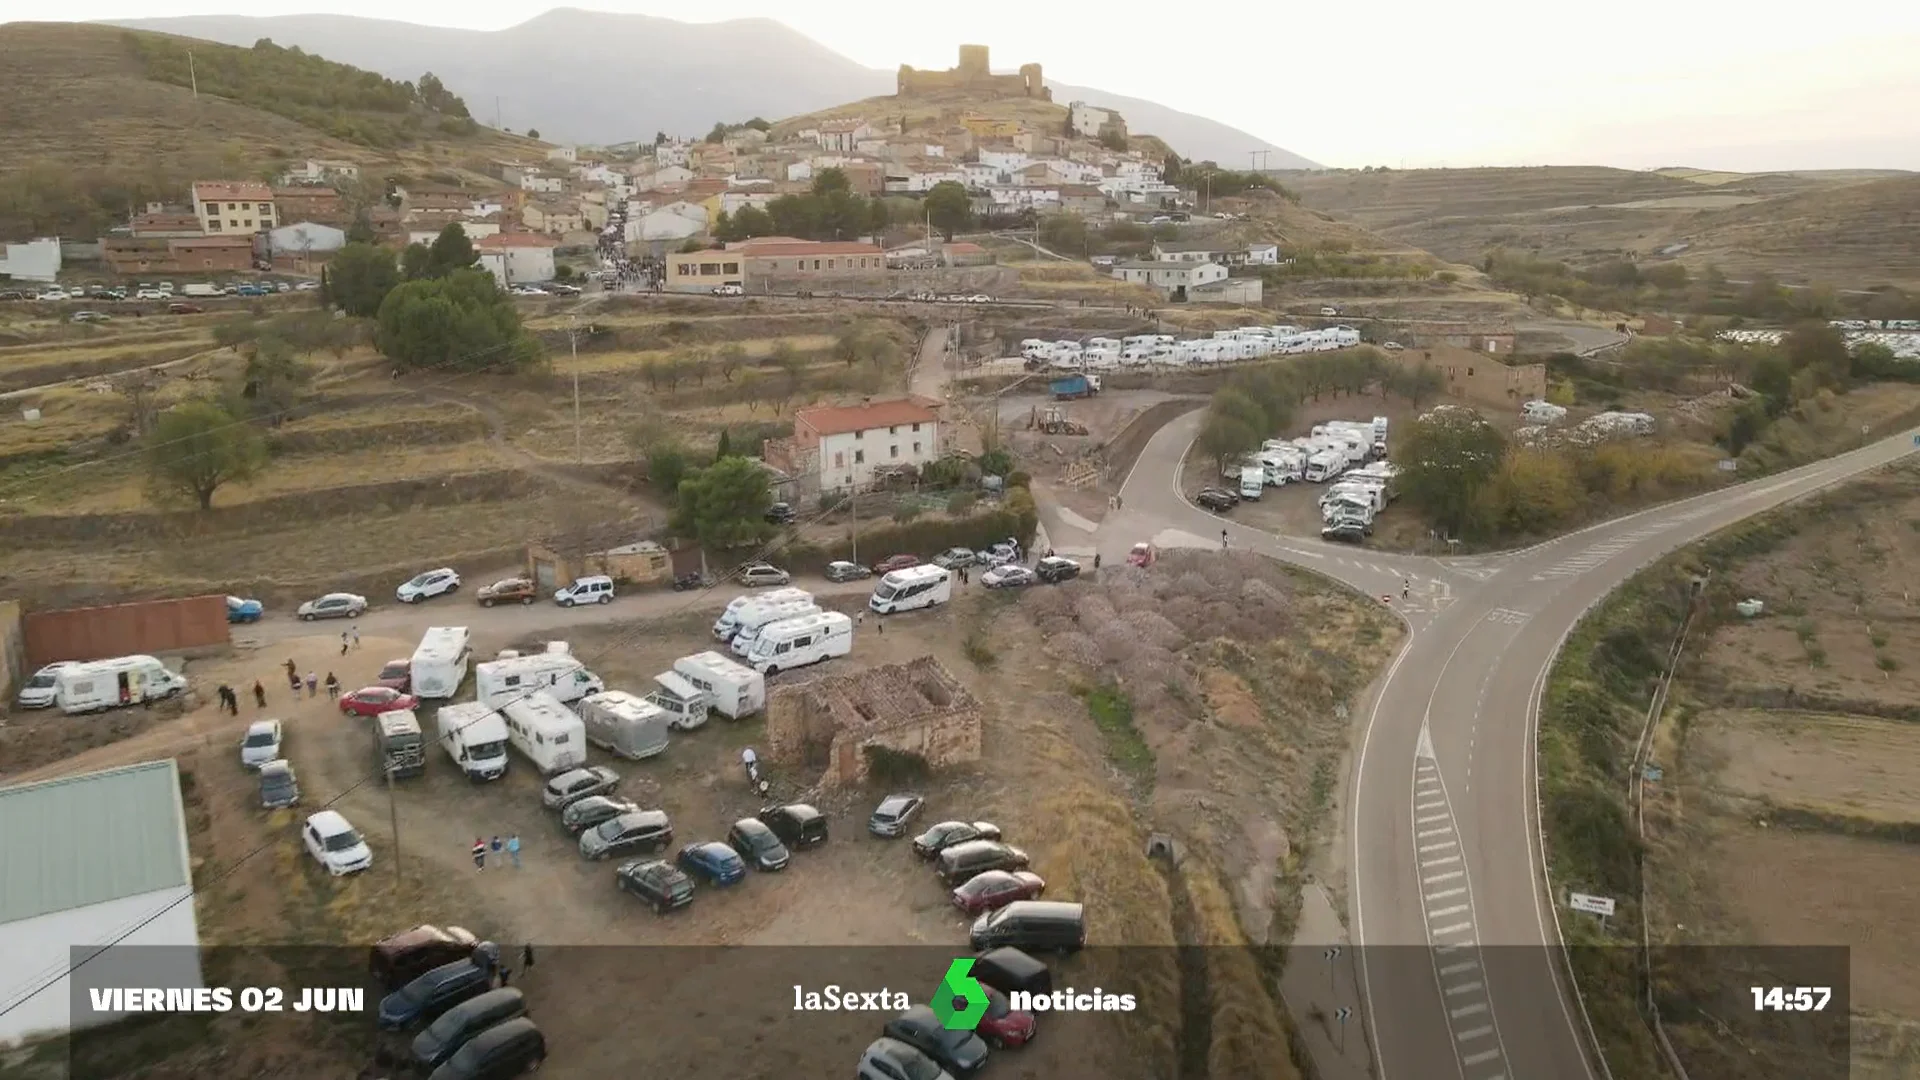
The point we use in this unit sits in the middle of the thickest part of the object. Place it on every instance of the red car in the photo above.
(374, 700)
(895, 562)
(397, 675)
(1002, 1026)
(996, 889)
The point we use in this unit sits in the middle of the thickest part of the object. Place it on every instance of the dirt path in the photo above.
(526, 462)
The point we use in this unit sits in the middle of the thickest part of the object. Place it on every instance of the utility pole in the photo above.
(853, 531)
(393, 818)
(573, 348)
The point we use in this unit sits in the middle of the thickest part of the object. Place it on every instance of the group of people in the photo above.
(511, 845)
(312, 682)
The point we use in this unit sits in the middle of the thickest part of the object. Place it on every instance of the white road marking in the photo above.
(1443, 894)
(1455, 969)
(1481, 1058)
(1448, 876)
(1441, 846)
(1465, 987)
(1441, 861)
(1476, 1033)
(1428, 819)
(1429, 805)
(1455, 928)
(1424, 833)
(1454, 910)
(1474, 1009)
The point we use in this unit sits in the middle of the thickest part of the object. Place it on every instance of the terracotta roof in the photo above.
(965, 248)
(231, 190)
(840, 419)
(516, 239)
(212, 242)
(814, 247)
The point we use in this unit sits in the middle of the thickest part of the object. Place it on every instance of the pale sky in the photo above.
(1406, 83)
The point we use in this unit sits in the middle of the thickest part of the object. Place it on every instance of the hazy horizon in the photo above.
(1665, 84)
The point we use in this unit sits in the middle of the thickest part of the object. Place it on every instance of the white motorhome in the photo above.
(754, 616)
(440, 663)
(728, 624)
(625, 725)
(733, 689)
(1542, 412)
(915, 587)
(1033, 349)
(685, 704)
(1348, 507)
(1284, 465)
(475, 737)
(799, 642)
(497, 682)
(1323, 466)
(110, 684)
(1253, 481)
(1374, 493)
(546, 732)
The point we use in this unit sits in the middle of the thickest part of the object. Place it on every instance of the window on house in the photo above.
(893, 429)
(916, 448)
(732, 268)
(708, 269)
(816, 264)
(893, 451)
(839, 459)
(916, 427)
(859, 457)
(233, 224)
(213, 225)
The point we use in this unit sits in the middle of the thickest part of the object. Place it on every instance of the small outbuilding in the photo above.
(916, 708)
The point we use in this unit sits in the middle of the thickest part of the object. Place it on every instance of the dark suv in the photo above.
(1216, 499)
(960, 863)
(1053, 570)
(757, 844)
(426, 997)
(660, 883)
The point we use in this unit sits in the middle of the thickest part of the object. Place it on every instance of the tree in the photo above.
(1113, 140)
(1226, 438)
(1065, 232)
(1533, 492)
(274, 380)
(949, 207)
(830, 180)
(1445, 461)
(718, 134)
(360, 277)
(731, 356)
(533, 133)
(724, 448)
(724, 505)
(1417, 384)
(659, 138)
(451, 251)
(462, 320)
(751, 221)
(1819, 347)
(667, 465)
(416, 262)
(197, 446)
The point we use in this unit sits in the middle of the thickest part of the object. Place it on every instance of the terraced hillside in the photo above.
(1861, 233)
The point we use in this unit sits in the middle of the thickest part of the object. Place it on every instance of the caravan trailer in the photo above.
(546, 732)
(110, 684)
(440, 663)
(1323, 466)
(475, 737)
(497, 682)
(624, 725)
(733, 689)
(685, 704)
(754, 616)
(728, 624)
(915, 587)
(799, 642)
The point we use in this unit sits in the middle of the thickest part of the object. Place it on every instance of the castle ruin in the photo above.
(974, 75)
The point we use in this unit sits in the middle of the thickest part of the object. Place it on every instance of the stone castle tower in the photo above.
(974, 73)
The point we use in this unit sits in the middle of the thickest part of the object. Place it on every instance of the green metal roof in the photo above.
(87, 839)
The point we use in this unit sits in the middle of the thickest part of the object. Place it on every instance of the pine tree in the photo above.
(725, 448)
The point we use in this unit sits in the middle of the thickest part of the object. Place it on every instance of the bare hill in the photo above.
(1405, 198)
(1853, 234)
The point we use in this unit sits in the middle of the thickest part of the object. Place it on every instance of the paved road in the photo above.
(1441, 839)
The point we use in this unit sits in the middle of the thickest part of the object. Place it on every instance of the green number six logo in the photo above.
(960, 1002)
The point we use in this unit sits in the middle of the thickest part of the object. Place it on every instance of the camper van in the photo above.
(728, 624)
(110, 684)
(733, 689)
(546, 733)
(799, 642)
(497, 682)
(754, 616)
(397, 744)
(1542, 412)
(685, 704)
(920, 586)
(625, 725)
(440, 663)
(1323, 466)
(475, 737)
(1253, 481)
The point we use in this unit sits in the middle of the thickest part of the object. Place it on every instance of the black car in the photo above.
(501, 1051)
(1216, 499)
(448, 1034)
(659, 883)
(890, 818)
(961, 1053)
(580, 816)
(635, 830)
(689, 582)
(1054, 569)
(962, 863)
(780, 514)
(757, 844)
(948, 833)
(798, 825)
(433, 993)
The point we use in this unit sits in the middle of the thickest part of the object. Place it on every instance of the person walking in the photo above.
(513, 849)
(222, 691)
(506, 975)
(1096, 560)
(259, 695)
(343, 643)
(479, 854)
(356, 635)
(1223, 539)
(1406, 588)
(498, 845)
(526, 957)
(313, 684)
(293, 676)
(233, 701)
(333, 686)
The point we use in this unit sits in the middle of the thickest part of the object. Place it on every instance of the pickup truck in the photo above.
(1075, 386)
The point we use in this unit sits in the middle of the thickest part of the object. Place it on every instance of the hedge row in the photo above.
(1014, 516)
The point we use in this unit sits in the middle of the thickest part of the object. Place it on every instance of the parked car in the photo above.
(757, 845)
(1218, 500)
(996, 889)
(1141, 555)
(279, 787)
(1000, 554)
(458, 1025)
(948, 833)
(576, 784)
(714, 861)
(1003, 1025)
(729, 290)
(960, 1053)
(1031, 926)
(564, 290)
(690, 581)
(150, 294)
(1393, 346)
(841, 570)
(592, 589)
(306, 286)
(398, 959)
(656, 881)
(798, 825)
(954, 558)
(1008, 576)
(337, 605)
(335, 844)
(374, 700)
(780, 514)
(427, 586)
(424, 999)
(895, 812)
(895, 562)
(90, 316)
(1347, 532)
(1055, 569)
(513, 590)
(962, 862)
(501, 1051)
(261, 743)
(635, 831)
(891, 1059)
(184, 309)
(42, 687)
(755, 575)
(584, 814)
(396, 675)
(244, 611)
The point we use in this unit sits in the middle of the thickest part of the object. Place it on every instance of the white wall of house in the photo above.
(848, 459)
(35, 260)
(799, 170)
(1087, 120)
(519, 265)
(475, 230)
(306, 238)
(38, 948)
(1263, 254)
(925, 181)
(566, 154)
(1005, 160)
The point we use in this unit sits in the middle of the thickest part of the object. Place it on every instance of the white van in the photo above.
(440, 663)
(595, 589)
(920, 586)
(497, 682)
(624, 725)
(728, 624)
(546, 733)
(475, 737)
(110, 684)
(799, 642)
(754, 616)
(1542, 412)
(1324, 466)
(685, 704)
(733, 689)
(1253, 481)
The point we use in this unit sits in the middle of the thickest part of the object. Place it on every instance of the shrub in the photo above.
(962, 503)
(1019, 478)
(890, 768)
(978, 650)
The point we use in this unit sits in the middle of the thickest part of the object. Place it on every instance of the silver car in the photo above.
(575, 784)
(635, 831)
(337, 605)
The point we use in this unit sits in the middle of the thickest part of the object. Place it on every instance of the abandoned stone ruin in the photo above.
(916, 708)
(973, 74)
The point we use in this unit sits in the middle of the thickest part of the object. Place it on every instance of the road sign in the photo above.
(1729, 465)
(1331, 953)
(1342, 1013)
(1653, 773)
(1592, 905)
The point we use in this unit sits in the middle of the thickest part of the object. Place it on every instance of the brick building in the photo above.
(178, 255)
(915, 708)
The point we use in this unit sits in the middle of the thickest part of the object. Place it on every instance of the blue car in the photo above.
(425, 998)
(714, 861)
(244, 611)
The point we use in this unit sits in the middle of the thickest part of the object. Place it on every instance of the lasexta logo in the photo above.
(960, 1002)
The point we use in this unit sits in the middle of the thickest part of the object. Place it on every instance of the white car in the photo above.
(999, 554)
(979, 298)
(40, 691)
(52, 295)
(262, 743)
(337, 605)
(728, 290)
(336, 844)
(526, 290)
(1393, 346)
(428, 585)
(307, 286)
(151, 294)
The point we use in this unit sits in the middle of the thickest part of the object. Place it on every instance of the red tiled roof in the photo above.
(516, 239)
(814, 247)
(752, 242)
(231, 190)
(840, 419)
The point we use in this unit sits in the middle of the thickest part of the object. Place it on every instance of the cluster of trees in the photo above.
(1217, 181)
(720, 130)
(433, 308)
(1257, 403)
(1625, 285)
(832, 211)
(49, 198)
(342, 100)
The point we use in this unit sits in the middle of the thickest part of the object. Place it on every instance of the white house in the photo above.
(94, 860)
(564, 154)
(1175, 279)
(680, 221)
(1011, 199)
(517, 258)
(925, 181)
(1087, 121)
(799, 170)
(673, 152)
(842, 445)
(319, 171)
(35, 260)
(842, 135)
(309, 238)
(667, 176)
(1194, 251)
(1263, 255)
(475, 230)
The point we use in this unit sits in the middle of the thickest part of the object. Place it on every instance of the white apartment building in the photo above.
(842, 446)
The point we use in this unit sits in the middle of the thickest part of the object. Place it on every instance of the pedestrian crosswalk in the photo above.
(1508, 617)
(1447, 903)
(1600, 553)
